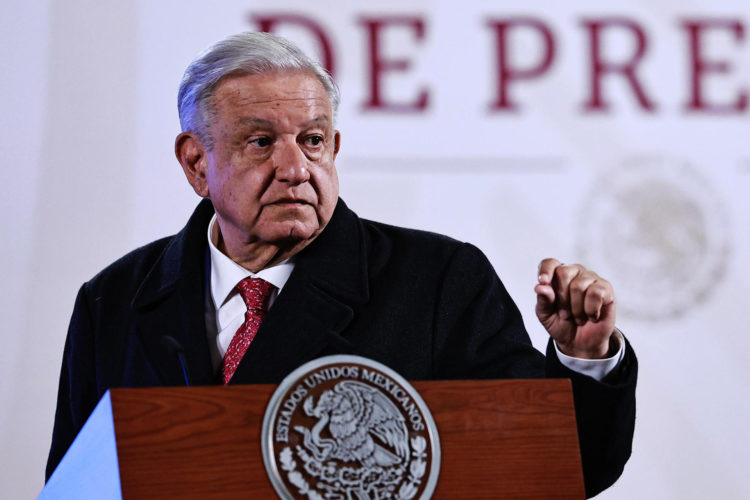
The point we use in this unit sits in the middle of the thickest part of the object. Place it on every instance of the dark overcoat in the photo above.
(426, 305)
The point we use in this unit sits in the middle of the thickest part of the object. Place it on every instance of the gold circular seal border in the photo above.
(296, 376)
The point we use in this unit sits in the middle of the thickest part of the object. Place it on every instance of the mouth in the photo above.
(290, 203)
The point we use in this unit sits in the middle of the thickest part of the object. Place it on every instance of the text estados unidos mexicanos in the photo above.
(299, 393)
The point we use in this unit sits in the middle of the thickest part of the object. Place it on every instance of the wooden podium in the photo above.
(499, 439)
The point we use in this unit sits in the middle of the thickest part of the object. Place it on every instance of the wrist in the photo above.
(604, 350)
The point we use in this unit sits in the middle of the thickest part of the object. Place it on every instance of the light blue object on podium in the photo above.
(89, 470)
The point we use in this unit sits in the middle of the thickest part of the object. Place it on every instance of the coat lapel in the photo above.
(314, 308)
(170, 302)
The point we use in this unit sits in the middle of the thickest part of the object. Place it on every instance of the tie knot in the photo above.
(254, 292)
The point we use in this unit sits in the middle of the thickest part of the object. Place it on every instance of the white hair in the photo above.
(249, 53)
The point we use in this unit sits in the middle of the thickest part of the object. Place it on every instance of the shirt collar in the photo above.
(225, 273)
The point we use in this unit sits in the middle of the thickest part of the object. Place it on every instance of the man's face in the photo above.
(271, 174)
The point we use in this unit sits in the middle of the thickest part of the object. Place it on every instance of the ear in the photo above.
(192, 156)
(336, 143)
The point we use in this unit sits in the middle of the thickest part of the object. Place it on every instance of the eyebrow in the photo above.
(318, 120)
(261, 122)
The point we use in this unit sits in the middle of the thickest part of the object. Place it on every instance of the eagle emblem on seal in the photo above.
(361, 422)
(345, 427)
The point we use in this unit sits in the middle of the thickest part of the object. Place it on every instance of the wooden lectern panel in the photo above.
(191, 442)
(506, 439)
(500, 439)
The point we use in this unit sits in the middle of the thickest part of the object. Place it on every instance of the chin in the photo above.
(289, 234)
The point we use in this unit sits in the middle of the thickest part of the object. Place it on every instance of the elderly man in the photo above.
(273, 270)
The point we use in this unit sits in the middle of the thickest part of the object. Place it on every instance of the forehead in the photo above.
(282, 91)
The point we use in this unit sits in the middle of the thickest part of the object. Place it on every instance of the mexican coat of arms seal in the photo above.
(346, 427)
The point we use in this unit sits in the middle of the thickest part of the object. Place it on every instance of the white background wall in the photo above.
(657, 202)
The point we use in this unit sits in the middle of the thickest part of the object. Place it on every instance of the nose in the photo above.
(290, 163)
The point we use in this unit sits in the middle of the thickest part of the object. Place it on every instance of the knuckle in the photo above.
(547, 264)
(566, 273)
(597, 292)
(578, 286)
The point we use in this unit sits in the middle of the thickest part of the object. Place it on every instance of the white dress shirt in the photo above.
(229, 309)
(225, 312)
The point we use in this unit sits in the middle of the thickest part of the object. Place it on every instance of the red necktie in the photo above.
(255, 292)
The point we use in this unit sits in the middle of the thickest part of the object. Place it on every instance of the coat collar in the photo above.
(310, 314)
(336, 261)
(182, 259)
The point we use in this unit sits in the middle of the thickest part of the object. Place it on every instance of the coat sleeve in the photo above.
(77, 394)
(605, 414)
(480, 334)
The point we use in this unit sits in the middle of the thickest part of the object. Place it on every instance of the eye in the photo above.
(261, 142)
(314, 140)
